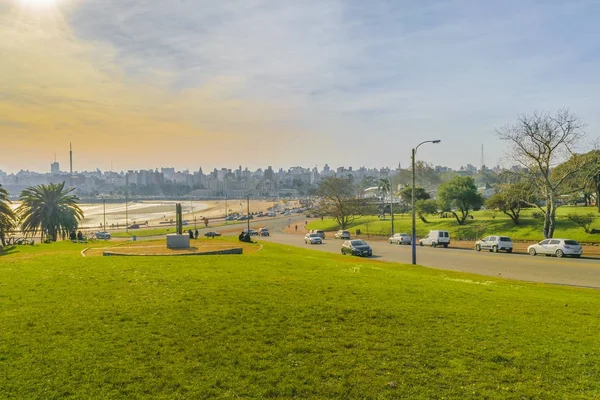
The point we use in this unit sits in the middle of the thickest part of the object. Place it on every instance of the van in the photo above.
(436, 238)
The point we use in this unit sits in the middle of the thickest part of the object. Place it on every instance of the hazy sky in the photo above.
(189, 83)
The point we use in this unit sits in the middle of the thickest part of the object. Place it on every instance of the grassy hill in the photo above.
(285, 322)
(485, 222)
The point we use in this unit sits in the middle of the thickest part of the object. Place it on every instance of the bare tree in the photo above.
(539, 143)
(337, 198)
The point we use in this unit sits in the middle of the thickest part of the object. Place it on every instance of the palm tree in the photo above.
(7, 216)
(384, 187)
(50, 209)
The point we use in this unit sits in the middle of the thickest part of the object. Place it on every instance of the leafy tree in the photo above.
(539, 142)
(420, 194)
(583, 220)
(51, 209)
(337, 198)
(510, 199)
(384, 188)
(425, 207)
(458, 196)
(7, 216)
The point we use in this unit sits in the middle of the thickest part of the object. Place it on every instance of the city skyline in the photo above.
(140, 84)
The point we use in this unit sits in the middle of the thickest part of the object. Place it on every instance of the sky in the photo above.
(139, 84)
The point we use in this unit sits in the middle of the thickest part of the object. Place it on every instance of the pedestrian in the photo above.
(191, 234)
(196, 234)
(296, 228)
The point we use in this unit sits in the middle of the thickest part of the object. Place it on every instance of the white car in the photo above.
(436, 238)
(341, 234)
(401, 238)
(313, 238)
(556, 247)
(495, 243)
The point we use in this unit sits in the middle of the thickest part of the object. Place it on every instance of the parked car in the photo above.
(263, 232)
(556, 247)
(230, 218)
(271, 214)
(436, 238)
(212, 234)
(357, 248)
(134, 226)
(312, 238)
(342, 235)
(400, 238)
(252, 232)
(494, 244)
(318, 232)
(102, 235)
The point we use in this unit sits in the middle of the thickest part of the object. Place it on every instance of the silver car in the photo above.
(341, 234)
(556, 247)
(400, 238)
(494, 244)
(312, 238)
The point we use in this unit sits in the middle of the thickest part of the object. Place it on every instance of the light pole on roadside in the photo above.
(414, 229)
(126, 214)
(104, 204)
(392, 209)
(248, 219)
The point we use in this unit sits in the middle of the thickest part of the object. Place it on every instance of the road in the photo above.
(562, 271)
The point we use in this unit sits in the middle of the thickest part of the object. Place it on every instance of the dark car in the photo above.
(212, 234)
(357, 248)
(134, 226)
(102, 235)
(263, 232)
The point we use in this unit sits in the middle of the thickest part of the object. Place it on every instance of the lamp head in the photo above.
(436, 141)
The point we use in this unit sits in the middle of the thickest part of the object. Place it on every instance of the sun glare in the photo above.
(39, 3)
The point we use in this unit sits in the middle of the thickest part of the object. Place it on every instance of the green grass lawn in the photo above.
(484, 223)
(285, 322)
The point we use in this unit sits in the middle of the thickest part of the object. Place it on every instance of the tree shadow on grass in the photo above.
(4, 251)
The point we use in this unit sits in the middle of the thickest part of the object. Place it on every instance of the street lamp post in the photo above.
(248, 219)
(392, 209)
(414, 229)
(104, 204)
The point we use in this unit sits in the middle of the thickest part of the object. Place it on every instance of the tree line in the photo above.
(551, 172)
(50, 210)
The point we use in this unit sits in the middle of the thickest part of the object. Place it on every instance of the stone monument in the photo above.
(178, 240)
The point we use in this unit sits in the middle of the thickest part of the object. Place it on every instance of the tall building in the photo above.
(54, 168)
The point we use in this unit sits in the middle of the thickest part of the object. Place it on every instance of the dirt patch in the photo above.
(159, 248)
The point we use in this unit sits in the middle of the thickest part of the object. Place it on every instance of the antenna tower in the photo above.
(482, 161)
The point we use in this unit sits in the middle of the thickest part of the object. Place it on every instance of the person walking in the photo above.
(296, 228)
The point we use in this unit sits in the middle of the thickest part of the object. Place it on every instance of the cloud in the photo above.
(313, 79)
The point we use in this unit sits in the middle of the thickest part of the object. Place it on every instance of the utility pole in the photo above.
(248, 206)
(126, 214)
(104, 203)
(414, 229)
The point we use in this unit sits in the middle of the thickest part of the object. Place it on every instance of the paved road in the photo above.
(563, 271)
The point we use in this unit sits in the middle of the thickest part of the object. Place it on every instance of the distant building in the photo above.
(55, 168)
(486, 191)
